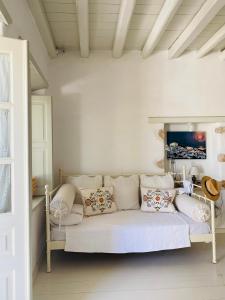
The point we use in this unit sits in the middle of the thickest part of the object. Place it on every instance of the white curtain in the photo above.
(5, 186)
(4, 78)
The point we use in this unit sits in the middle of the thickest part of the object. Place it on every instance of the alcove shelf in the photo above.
(186, 119)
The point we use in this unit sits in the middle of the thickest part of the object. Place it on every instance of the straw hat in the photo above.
(211, 188)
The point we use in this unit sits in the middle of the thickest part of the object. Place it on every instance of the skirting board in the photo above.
(38, 264)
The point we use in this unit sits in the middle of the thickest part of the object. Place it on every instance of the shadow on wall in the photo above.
(100, 110)
(66, 125)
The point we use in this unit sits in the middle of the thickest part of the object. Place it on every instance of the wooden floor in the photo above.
(185, 274)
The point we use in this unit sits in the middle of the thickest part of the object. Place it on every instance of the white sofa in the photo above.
(126, 230)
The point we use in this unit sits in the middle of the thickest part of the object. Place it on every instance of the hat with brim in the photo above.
(211, 188)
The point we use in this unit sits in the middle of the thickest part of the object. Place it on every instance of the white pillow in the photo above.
(75, 217)
(84, 182)
(157, 181)
(193, 208)
(126, 191)
(62, 202)
(155, 200)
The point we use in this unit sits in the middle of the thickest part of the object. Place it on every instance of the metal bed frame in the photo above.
(60, 245)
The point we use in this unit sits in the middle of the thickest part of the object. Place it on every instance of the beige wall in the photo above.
(101, 105)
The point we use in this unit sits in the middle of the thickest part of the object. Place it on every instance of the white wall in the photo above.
(101, 105)
(24, 25)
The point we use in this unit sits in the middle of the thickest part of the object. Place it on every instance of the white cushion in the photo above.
(153, 200)
(157, 181)
(63, 200)
(84, 182)
(98, 201)
(193, 208)
(126, 191)
(75, 217)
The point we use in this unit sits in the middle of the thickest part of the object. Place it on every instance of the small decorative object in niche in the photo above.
(194, 172)
(160, 164)
(161, 134)
(220, 130)
(221, 157)
(34, 185)
(186, 145)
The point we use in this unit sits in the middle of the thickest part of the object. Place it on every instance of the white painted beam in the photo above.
(207, 12)
(4, 15)
(2, 28)
(212, 42)
(40, 17)
(165, 16)
(126, 11)
(83, 26)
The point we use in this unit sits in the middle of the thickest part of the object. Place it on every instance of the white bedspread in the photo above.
(128, 231)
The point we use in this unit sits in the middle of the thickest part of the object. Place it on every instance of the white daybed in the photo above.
(127, 231)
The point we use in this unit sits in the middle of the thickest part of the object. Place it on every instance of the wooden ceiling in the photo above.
(119, 25)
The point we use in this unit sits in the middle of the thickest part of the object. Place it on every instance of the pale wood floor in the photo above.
(185, 274)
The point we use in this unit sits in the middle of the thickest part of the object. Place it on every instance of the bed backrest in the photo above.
(96, 181)
(63, 177)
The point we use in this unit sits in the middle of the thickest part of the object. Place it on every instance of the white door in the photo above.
(14, 171)
(42, 142)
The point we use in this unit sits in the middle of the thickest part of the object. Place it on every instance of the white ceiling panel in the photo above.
(152, 9)
(101, 43)
(103, 18)
(62, 17)
(136, 39)
(169, 37)
(101, 8)
(63, 26)
(68, 40)
(103, 26)
(57, 7)
(105, 1)
(59, 1)
(144, 22)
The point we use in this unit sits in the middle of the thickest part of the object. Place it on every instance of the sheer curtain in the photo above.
(5, 186)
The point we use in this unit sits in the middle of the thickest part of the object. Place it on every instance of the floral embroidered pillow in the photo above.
(98, 201)
(153, 200)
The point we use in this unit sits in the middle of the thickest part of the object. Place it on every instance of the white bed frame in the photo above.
(60, 245)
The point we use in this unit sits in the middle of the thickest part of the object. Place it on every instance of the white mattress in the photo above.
(125, 218)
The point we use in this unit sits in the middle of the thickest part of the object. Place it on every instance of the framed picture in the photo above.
(186, 145)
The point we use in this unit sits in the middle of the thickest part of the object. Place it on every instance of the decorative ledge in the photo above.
(36, 201)
(187, 119)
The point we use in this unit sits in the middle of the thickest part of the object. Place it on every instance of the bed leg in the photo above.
(49, 269)
(214, 250)
(213, 233)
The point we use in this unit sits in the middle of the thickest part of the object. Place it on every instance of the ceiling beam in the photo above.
(40, 17)
(164, 18)
(206, 13)
(126, 12)
(212, 42)
(4, 15)
(83, 26)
